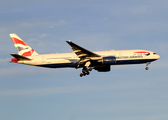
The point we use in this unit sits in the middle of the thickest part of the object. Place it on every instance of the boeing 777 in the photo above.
(80, 57)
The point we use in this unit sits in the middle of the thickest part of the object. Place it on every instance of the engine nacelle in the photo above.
(111, 60)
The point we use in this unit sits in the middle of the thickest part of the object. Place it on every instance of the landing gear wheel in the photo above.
(87, 73)
(81, 75)
(90, 69)
(147, 68)
(84, 74)
(83, 70)
(147, 64)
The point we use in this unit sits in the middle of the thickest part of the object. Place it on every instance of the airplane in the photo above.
(80, 57)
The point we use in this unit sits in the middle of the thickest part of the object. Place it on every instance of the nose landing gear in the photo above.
(147, 64)
(85, 71)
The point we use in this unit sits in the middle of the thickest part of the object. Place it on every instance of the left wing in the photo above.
(81, 52)
(85, 55)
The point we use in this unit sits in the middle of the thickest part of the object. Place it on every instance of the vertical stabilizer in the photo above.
(22, 48)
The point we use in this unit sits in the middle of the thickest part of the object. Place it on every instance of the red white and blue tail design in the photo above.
(22, 48)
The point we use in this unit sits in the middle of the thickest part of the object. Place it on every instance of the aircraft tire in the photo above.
(83, 70)
(90, 69)
(81, 75)
(88, 73)
(147, 68)
(84, 74)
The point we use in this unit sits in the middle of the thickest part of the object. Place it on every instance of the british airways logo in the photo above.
(146, 53)
(141, 52)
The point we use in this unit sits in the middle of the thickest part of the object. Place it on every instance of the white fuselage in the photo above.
(60, 60)
(80, 57)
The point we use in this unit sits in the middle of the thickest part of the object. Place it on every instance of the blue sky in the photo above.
(126, 92)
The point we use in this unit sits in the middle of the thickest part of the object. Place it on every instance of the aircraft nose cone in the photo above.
(157, 57)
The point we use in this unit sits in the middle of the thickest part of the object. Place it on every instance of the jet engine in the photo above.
(111, 60)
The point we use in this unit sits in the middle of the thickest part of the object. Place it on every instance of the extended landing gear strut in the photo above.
(85, 71)
(147, 64)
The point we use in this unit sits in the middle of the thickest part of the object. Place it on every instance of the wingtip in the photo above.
(68, 41)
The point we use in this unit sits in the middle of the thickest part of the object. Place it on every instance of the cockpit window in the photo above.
(154, 53)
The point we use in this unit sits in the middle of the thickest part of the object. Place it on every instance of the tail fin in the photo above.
(22, 48)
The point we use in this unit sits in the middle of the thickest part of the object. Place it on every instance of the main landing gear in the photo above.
(85, 71)
(147, 64)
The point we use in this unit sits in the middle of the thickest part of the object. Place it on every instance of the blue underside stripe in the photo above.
(118, 62)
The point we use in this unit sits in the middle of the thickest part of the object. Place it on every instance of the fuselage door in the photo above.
(43, 59)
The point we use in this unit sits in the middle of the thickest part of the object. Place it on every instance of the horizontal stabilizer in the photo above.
(20, 57)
